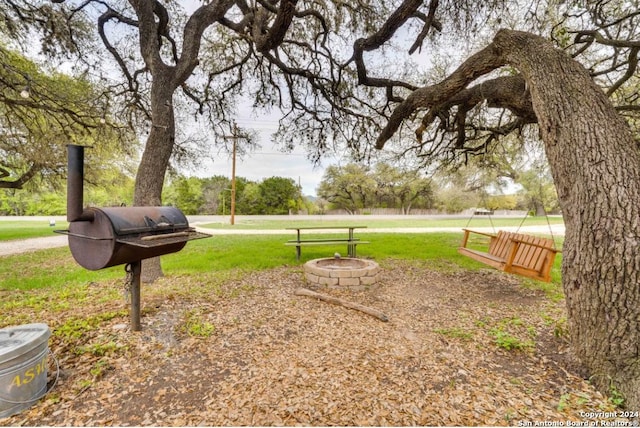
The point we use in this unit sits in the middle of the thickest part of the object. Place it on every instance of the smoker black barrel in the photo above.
(122, 235)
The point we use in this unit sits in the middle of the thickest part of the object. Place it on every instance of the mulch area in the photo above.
(268, 357)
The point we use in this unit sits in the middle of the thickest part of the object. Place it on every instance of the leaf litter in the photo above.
(273, 358)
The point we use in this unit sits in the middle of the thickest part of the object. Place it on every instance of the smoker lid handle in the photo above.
(163, 222)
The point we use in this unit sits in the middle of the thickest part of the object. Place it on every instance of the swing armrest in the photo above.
(467, 231)
(533, 244)
(465, 238)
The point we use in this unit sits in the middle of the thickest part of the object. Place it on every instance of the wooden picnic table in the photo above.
(351, 240)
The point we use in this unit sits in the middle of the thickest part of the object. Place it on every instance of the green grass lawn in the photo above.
(55, 268)
(11, 229)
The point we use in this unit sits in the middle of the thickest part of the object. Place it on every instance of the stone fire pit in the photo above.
(351, 273)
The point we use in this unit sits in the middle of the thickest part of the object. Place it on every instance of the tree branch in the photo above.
(20, 181)
(268, 39)
(200, 20)
(477, 65)
(429, 22)
(397, 19)
(631, 71)
(587, 35)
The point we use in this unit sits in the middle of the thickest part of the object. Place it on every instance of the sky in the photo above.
(268, 161)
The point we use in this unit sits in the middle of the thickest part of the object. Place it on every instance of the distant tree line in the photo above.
(271, 196)
(352, 188)
(355, 189)
(193, 195)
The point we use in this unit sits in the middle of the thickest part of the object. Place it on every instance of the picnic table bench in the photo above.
(301, 241)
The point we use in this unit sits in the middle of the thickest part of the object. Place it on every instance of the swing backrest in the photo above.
(533, 252)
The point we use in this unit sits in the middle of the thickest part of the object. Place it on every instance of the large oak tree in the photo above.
(314, 60)
(595, 163)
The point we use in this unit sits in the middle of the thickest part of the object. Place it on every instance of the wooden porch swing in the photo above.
(513, 252)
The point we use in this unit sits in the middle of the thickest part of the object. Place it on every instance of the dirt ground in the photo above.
(460, 348)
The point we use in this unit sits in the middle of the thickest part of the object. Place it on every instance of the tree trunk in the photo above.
(155, 159)
(152, 26)
(538, 206)
(595, 164)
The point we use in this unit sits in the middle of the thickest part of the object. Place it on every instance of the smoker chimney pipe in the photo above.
(75, 185)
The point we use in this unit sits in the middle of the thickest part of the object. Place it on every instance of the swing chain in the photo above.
(546, 216)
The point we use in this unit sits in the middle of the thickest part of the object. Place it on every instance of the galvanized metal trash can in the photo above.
(23, 366)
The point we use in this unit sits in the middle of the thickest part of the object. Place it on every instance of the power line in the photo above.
(275, 154)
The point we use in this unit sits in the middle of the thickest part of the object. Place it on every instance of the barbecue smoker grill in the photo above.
(104, 237)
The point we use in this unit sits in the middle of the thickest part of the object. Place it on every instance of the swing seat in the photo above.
(516, 253)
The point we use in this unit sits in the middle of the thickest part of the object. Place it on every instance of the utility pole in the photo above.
(233, 174)
(234, 138)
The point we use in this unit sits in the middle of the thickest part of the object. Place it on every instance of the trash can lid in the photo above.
(18, 340)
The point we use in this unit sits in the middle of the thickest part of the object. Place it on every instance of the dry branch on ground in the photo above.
(341, 302)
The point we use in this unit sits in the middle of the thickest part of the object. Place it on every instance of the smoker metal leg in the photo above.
(136, 269)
